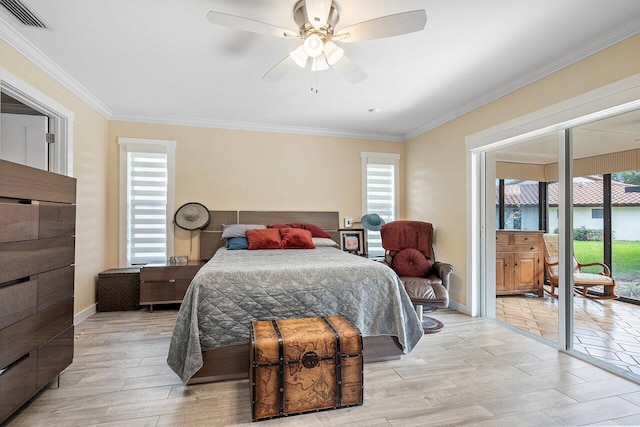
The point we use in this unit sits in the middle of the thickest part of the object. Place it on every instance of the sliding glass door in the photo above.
(579, 188)
(522, 299)
(606, 241)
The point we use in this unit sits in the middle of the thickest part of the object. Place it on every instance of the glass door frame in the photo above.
(611, 100)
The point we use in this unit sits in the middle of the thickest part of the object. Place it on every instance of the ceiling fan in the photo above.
(316, 21)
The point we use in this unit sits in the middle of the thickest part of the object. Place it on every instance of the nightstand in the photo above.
(166, 283)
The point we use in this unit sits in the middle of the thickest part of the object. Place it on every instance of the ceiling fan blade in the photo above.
(280, 69)
(385, 26)
(349, 70)
(246, 24)
(318, 12)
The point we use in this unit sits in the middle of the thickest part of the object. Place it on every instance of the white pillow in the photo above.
(323, 241)
(238, 230)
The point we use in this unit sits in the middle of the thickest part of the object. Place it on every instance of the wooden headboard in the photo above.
(211, 236)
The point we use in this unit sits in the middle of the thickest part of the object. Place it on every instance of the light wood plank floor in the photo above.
(474, 372)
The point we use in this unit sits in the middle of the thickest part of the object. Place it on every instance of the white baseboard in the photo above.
(84, 314)
(459, 307)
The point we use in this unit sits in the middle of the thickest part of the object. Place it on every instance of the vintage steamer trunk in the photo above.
(304, 365)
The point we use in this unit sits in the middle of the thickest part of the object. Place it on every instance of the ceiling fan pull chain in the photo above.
(316, 75)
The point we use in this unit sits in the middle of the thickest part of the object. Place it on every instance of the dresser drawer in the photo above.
(18, 301)
(524, 239)
(21, 182)
(17, 384)
(24, 259)
(24, 336)
(56, 220)
(18, 222)
(25, 221)
(54, 356)
(55, 286)
(502, 238)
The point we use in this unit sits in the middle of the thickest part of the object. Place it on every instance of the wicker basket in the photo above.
(119, 289)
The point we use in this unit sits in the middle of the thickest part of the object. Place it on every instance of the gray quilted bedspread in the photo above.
(236, 287)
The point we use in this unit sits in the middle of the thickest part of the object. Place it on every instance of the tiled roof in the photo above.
(585, 193)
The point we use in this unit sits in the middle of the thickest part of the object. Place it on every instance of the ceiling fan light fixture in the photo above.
(318, 12)
(319, 63)
(333, 52)
(313, 45)
(299, 56)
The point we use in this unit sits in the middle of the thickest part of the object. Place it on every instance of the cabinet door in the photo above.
(526, 271)
(504, 273)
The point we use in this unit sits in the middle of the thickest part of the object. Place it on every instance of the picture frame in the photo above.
(179, 260)
(352, 241)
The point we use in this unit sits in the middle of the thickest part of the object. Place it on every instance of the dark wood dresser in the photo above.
(37, 257)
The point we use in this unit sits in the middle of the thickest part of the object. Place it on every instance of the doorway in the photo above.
(23, 102)
(577, 156)
(24, 136)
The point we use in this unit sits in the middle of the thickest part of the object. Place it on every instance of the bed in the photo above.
(210, 338)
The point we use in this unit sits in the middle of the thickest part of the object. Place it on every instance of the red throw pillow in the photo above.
(296, 238)
(268, 238)
(410, 263)
(314, 229)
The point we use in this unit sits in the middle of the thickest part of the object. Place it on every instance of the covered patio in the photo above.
(606, 329)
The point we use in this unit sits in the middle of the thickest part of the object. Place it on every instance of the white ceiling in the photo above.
(162, 61)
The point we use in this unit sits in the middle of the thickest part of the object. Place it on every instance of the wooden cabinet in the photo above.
(37, 257)
(519, 260)
(165, 284)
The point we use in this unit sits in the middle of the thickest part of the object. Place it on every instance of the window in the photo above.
(146, 200)
(519, 205)
(379, 193)
(597, 213)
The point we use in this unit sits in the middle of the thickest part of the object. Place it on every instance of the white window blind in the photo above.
(380, 193)
(146, 200)
(147, 207)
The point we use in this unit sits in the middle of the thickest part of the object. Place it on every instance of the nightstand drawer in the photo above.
(154, 292)
(167, 291)
(163, 284)
(173, 272)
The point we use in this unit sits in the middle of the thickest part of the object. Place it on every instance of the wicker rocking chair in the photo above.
(581, 281)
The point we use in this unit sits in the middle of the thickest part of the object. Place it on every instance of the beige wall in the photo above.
(244, 170)
(227, 169)
(435, 161)
(89, 167)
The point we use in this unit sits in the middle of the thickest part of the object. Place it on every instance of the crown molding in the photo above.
(18, 42)
(255, 127)
(620, 33)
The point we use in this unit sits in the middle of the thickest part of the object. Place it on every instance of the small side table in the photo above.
(166, 283)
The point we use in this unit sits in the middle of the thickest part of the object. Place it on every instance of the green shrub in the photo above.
(586, 234)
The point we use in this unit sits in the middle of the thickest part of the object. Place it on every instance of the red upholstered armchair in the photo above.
(409, 252)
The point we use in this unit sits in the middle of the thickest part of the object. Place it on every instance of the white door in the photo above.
(23, 139)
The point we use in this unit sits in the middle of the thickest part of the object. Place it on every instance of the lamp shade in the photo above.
(300, 56)
(372, 222)
(192, 216)
(332, 52)
(313, 45)
(319, 63)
